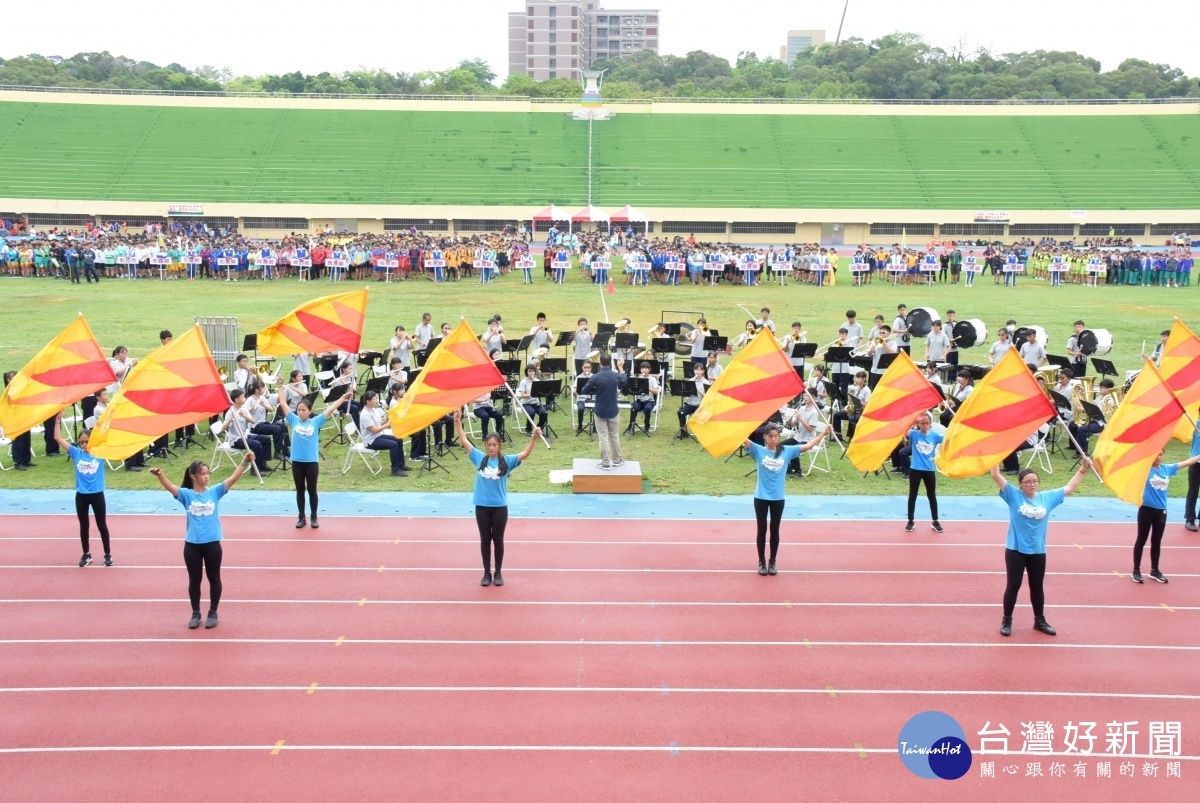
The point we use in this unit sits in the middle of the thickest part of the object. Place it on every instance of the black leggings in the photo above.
(915, 478)
(96, 501)
(1017, 563)
(305, 475)
(209, 554)
(1151, 522)
(761, 508)
(491, 521)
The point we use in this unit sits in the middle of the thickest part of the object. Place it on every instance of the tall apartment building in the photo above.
(798, 42)
(561, 39)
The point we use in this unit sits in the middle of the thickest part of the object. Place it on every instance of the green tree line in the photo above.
(897, 66)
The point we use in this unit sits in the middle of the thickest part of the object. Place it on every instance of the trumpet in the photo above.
(223, 374)
(704, 328)
(264, 370)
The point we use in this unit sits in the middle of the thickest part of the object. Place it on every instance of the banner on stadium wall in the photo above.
(1078, 214)
(184, 210)
(992, 216)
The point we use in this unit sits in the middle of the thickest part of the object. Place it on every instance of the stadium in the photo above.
(635, 652)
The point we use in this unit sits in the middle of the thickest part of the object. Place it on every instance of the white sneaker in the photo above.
(605, 465)
(618, 463)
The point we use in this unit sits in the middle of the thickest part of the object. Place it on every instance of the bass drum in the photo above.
(682, 347)
(920, 321)
(1021, 336)
(970, 333)
(1095, 342)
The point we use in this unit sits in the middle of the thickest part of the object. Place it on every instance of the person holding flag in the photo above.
(491, 494)
(202, 545)
(89, 492)
(924, 443)
(1025, 546)
(305, 454)
(1152, 514)
(772, 461)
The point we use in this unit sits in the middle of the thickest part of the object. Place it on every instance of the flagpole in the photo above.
(1081, 451)
(521, 407)
(242, 435)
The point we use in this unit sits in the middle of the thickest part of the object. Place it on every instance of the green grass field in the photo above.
(131, 314)
(146, 153)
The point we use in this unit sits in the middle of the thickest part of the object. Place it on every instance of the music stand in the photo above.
(803, 352)
(379, 384)
(547, 390)
(590, 426)
(510, 368)
(885, 361)
(673, 329)
(626, 341)
(1061, 402)
(605, 328)
(682, 388)
(1059, 362)
(662, 345)
(714, 342)
(636, 385)
(554, 365)
(1104, 367)
(600, 342)
(335, 394)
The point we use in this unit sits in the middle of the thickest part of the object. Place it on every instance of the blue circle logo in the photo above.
(933, 745)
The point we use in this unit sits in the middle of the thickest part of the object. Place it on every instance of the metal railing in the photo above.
(636, 101)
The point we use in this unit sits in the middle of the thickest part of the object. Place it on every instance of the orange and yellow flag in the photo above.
(755, 385)
(457, 371)
(70, 367)
(332, 323)
(1180, 367)
(1135, 434)
(902, 394)
(1004, 409)
(171, 387)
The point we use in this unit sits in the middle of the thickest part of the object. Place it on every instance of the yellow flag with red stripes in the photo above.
(902, 394)
(332, 323)
(1180, 367)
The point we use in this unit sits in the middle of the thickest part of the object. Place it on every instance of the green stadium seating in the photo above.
(149, 153)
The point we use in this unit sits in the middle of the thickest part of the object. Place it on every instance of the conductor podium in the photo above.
(588, 478)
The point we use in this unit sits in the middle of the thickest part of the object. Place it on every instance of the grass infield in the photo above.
(128, 313)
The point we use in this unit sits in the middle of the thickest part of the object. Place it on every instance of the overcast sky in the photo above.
(273, 36)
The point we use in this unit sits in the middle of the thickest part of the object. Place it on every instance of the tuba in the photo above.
(623, 325)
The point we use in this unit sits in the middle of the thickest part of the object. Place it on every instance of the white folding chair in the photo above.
(471, 424)
(3, 443)
(369, 456)
(816, 456)
(224, 448)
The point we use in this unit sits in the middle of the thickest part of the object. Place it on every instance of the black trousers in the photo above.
(915, 478)
(761, 508)
(1017, 564)
(304, 475)
(1193, 489)
(1151, 524)
(203, 559)
(491, 521)
(96, 502)
(386, 443)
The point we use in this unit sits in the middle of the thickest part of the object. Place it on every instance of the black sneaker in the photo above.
(108, 561)
(908, 528)
(1157, 575)
(301, 522)
(771, 568)
(487, 579)
(195, 620)
(315, 524)
(762, 568)
(498, 579)
(1137, 576)
(1044, 626)
(1191, 527)
(937, 527)
(211, 621)
(85, 560)
(1006, 626)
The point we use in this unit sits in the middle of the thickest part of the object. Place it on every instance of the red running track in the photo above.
(645, 661)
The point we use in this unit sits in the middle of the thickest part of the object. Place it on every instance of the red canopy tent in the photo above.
(551, 213)
(627, 214)
(589, 214)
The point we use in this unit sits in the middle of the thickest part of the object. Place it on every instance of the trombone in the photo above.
(821, 351)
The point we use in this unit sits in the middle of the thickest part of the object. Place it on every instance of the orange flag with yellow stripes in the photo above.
(1135, 434)
(902, 394)
(1180, 367)
(758, 381)
(332, 323)
(1004, 409)
(458, 371)
(68, 368)
(173, 386)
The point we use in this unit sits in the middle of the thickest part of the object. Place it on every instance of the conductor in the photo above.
(604, 386)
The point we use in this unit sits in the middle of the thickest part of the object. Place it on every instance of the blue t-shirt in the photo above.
(203, 523)
(1195, 444)
(89, 472)
(491, 490)
(1157, 482)
(923, 447)
(306, 437)
(772, 470)
(1029, 518)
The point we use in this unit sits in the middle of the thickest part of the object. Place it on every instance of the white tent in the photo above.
(589, 214)
(627, 214)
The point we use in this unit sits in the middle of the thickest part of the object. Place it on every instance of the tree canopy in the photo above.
(897, 66)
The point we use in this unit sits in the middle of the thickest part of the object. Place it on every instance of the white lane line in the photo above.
(805, 644)
(517, 748)
(597, 603)
(656, 690)
(582, 570)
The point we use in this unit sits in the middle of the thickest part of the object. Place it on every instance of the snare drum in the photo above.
(1095, 342)
(1022, 336)
(920, 321)
(969, 333)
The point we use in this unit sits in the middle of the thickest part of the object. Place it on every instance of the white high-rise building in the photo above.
(562, 39)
